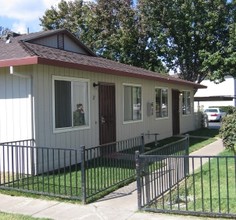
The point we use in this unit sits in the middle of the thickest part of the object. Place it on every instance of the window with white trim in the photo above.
(161, 102)
(186, 103)
(132, 103)
(71, 102)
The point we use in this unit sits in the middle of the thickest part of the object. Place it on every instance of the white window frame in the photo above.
(71, 128)
(185, 99)
(162, 88)
(132, 121)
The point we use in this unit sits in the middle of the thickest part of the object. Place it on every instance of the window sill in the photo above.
(64, 130)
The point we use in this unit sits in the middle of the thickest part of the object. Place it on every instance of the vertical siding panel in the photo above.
(47, 103)
(15, 104)
(90, 137)
(3, 117)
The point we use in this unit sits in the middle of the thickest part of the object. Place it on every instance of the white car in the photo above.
(214, 114)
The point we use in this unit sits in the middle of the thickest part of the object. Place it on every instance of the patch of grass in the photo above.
(198, 139)
(104, 176)
(215, 188)
(205, 132)
(8, 216)
(210, 189)
(106, 173)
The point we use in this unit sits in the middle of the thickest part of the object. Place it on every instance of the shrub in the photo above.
(228, 131)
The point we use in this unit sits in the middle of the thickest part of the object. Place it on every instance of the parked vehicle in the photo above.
(214, 114)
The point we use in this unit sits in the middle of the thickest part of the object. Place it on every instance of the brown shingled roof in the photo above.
(22, 52)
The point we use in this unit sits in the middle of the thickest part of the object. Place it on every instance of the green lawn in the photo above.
(7, 216)
(68, 184)
(205, 132)
(217, 180)
(210, 189)
(200, 138)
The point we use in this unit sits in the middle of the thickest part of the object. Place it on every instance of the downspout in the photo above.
(12, 72)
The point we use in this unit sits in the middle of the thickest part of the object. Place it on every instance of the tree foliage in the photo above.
(195, 38)
(191, 33)
(223, 61)
(113, 29)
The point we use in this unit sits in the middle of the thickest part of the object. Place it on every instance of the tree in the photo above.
(223, 61)
(113, 29)
(191, 33)
(69, 15)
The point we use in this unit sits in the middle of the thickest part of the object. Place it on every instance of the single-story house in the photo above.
(55, 90)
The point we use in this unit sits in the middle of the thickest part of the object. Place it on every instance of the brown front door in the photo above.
(175, 112)
(107, 113)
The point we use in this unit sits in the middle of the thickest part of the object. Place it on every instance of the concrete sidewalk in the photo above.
(119, 205)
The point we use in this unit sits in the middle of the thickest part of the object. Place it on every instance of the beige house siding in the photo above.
(44, 135)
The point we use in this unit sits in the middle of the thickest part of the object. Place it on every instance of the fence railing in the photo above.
(208, 190)
(40, 170)
(109, 165)
(66, 172)
(156, 175)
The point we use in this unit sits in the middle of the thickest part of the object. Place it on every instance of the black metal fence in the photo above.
(208, 189)
(40, 170)
(109, 165)
(156, 175)
(66, 172)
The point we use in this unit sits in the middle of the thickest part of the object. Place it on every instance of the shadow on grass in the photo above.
(198, 139)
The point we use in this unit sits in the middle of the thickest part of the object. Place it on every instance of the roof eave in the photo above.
(19, 61)
(39, 60)
(118, 72)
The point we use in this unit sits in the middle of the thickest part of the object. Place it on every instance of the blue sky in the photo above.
(18, 15)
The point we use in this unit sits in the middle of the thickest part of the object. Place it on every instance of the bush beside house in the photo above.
(228, 131)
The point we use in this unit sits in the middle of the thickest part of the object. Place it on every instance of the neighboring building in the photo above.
(221, 94)
(46, 76)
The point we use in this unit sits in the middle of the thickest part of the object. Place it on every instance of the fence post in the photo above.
(83, 175)
(156, 139)
(186, 158)
(138, 178)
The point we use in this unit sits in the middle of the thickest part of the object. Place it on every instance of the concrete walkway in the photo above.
(119, 205)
